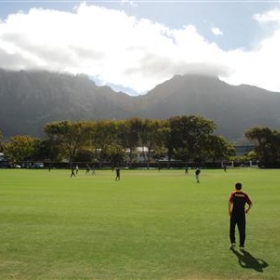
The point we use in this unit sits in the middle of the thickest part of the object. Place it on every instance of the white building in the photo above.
(140, 154)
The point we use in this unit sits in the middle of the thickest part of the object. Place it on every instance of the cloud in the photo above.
(131, 3)
(268, 17)
(216, 31)
(260, 66)
(128, 52)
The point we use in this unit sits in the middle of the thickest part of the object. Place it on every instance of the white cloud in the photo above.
(133, 53)
(270, 16)
(217, 31)
(261, 66)
(131, 3)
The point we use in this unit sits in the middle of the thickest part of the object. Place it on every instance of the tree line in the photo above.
(184, 138)
(267, 145)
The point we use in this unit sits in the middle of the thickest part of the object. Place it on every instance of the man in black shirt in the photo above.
(237, 211)
(118, 174)
(197, 172)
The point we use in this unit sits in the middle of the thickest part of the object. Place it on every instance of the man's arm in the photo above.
(249, 203)
(229, 207)
(249, 207)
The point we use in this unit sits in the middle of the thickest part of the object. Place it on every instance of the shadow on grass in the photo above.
(246, 260)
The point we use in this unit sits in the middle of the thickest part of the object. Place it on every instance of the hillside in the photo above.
(233, 108)
(31, 99)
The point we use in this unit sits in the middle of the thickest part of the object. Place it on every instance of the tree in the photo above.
(189, 136)
(20, 147)
(69, 136)
(116, 154)
(217, 148)
(39, 151)
(1, 145)
(104, 136)
(84, 156)
(267, 143)
(49, 151)
(150, 137)
(129, 136)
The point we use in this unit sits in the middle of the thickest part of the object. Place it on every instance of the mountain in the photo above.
(233, 108)
(29, 100)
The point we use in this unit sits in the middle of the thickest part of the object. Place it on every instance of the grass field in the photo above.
(149, 225)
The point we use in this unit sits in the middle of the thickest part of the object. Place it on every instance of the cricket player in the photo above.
(238, 206)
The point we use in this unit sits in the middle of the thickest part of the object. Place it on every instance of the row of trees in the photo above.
(186, 138)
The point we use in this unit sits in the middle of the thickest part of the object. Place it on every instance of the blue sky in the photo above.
(135, 45)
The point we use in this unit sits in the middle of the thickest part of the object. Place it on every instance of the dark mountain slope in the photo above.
(31, 99)
(233, 108)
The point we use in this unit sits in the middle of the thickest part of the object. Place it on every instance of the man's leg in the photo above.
(242, 232)
(232, 230)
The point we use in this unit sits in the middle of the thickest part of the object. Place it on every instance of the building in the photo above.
(242, 150)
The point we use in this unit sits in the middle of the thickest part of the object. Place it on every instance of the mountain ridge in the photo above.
(30, 99)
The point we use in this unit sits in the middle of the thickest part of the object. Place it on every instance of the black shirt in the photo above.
(239, 199)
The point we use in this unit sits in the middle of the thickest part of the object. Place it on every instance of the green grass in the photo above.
(149, 225)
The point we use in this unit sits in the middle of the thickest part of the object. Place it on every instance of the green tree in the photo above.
(84, 156)
(68, 136)
(189, 136)
(20, 147)
(150, 137)
(129, 135)
(267, 143)
(1, 138)
(217, 148)
(103, 137)
(116, 154)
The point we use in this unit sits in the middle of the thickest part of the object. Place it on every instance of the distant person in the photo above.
(93, 170)
(118, 174)
(77, 169)
(237, 210)
(186, 170)
(225, 167)
(197, 173)
(72, 172)
(87, 169)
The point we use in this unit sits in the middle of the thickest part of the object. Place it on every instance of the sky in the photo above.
(135, 45)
